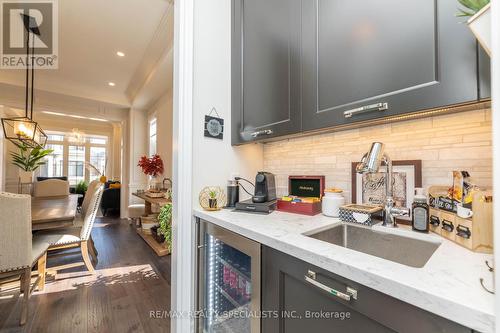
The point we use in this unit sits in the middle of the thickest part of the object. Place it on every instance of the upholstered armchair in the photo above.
(51, 188)
(18, 252)
(111, 198)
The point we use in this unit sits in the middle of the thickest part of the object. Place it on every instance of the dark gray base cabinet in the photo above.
(285, 291)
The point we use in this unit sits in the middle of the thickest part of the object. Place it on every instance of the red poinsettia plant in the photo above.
(152, 166)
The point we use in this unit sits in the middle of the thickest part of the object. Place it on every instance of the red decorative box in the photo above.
(305, 187)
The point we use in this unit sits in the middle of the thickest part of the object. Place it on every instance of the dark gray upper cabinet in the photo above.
(265, 69)
(412, 55)
(300, 65)
(484, 74)
(298, 306)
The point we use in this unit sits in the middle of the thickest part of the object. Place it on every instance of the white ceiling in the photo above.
(90, 34)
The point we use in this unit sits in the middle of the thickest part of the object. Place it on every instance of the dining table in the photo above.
(53, 212)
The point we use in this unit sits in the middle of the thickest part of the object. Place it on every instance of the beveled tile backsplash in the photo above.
(458, 141)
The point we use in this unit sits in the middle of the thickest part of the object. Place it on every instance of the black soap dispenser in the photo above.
(420, 211)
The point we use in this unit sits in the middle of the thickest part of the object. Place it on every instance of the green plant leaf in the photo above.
(471, 7)
(32, 160)
(164, 220)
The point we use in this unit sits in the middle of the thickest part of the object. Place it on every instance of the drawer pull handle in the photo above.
(463, 231)
(261, 133)
(366, 108)
(447, 226)
(311, 278)
(434, 221)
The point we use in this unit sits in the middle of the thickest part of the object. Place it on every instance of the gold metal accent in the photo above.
(205, 195)
(463, 107)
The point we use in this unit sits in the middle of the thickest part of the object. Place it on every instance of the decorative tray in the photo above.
(155, 194)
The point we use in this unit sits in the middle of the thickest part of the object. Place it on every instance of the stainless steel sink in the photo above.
(404, 250)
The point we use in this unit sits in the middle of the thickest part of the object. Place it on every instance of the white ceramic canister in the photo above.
(332, 201)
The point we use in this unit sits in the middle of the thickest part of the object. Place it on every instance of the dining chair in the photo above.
(19, 252)
(93, 185)
(51, 188)
(75, 237)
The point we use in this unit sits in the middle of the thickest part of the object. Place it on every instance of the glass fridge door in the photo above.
(229, 282)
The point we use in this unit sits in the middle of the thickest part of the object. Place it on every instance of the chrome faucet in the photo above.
(370, 163)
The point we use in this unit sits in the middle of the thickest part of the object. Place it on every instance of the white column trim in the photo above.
(183, 254)
(495, 78)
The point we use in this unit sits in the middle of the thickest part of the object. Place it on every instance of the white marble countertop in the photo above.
(448, 284)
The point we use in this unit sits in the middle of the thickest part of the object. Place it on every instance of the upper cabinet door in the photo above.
(484, 74)
(383, 58)
(265, 69)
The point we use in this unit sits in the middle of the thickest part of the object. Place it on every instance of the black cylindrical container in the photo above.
(233, 193)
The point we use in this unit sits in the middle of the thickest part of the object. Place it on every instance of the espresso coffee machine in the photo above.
(265, 187)
(264, 197)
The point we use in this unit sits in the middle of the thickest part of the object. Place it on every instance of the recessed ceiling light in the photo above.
(120, 54)
(112, 84)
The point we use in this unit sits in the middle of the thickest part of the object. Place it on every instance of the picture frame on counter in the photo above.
(370, 188)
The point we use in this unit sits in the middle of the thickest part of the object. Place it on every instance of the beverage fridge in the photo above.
(228, 281)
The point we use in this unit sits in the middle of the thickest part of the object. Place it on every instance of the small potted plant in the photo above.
(212, 199)
(28, 160)
(479, 14)
(81, 188)
(163, 232)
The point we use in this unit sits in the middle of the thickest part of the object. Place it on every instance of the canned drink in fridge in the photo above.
(232, 279)
(248, 290)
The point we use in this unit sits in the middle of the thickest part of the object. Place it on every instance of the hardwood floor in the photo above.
(130, 281)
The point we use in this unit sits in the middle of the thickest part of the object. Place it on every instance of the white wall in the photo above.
(214, 161)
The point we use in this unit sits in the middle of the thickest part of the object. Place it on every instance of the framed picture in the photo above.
(370, 188)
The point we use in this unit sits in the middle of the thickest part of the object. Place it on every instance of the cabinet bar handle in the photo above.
(263, 132)
(311, 278)
(366, 108)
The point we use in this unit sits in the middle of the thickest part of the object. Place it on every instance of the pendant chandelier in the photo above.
(24, 131)
(77, 137)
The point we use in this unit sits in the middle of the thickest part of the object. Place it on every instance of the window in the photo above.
(54, 162)
(76, 164)
(97, 140)
(55, 137)
(97, 159)
(70, 159)
(152, 137)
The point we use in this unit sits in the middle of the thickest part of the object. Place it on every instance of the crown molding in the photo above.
(158, 48)
(13, 97)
